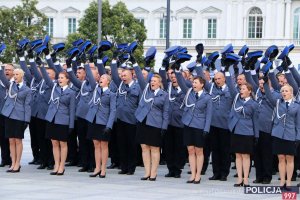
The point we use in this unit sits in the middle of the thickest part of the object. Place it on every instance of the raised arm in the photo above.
(46, 77)
(114, 72)
(255, 77)
(249, 79)
(233, 91)
(295, 74)
(51, 64)
(74, 65)
(27, 72)
(90, 76)
(140, 76)
(163, 75)
(73, 78)
(274, 81)
(269, 95)
(35, 70)
(5, 82)
(100, 67)
(290, 79)
(181, 82)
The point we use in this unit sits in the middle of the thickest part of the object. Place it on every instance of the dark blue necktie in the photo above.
(62, 90)
(287, 105)
(196, 95)
(18, 86)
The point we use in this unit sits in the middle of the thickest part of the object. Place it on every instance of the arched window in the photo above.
(255, 23)
(296, 32)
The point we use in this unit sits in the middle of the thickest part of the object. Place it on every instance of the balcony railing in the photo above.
(222, 42)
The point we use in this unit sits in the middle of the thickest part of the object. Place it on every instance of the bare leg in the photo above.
(199, 162)
(104, 156)
(56, 154)
(19, 150)
(97, 156)
(246, 167)
(192, 161)
(239, 167)
(13, 154)
(289, 168)
(63, 155)
(282, 168)
(155, 156)
(146, 159)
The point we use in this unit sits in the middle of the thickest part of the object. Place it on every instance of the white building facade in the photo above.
(215, 23)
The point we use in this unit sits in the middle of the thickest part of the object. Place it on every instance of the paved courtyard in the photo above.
(38, 184)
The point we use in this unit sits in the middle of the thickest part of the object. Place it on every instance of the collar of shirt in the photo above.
(12, 79)
(156, 91)
(178, 89)
(20, 84)
(65, 87)
(104, 89)
(199, 93)
(247, 99)
(289, 101)
(223, 87)
(131, 83)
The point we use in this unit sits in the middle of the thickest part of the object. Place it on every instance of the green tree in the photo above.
(22, 21)
(118, 26)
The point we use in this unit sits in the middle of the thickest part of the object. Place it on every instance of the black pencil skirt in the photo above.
(14, 128)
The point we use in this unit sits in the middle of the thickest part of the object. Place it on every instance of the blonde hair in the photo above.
(20, 71)
(159, 78)
(108, 77)
(290, 88)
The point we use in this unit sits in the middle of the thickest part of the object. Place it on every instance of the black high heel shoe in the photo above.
(239, 184)
(53, 173)
(9, 170)
(190, 181)
(145, 178)
(16, 171)
(94, 175)
(102, 176)
(152, 179)
(60, 173)
(197, 182)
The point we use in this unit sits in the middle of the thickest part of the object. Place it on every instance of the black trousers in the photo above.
(263, 161)
(46, 155)
(4, 143)
(73, 146)
(206, 152)
(174, 149)
(127, 145)
(86, 146)
(220, 144)
(113, 146)
(34, 141)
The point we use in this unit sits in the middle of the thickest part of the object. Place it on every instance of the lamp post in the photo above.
(99, 20)
(168, 25)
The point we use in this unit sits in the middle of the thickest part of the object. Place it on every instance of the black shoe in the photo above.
(266, 181)
(256, 181)
(42, 166)
(79, 165)
(122, 172)
(233, 167)
(102, 176)
(170, 174)
(60, 173)
(112, 166)
(50, 167)
(16, 171)
(202, 172)
(190, 181)
(33, 162)
(53, 173)
(145, 178)
(152, 179)
(177, 176)
(94, 175)
(189, 172)
(197, 182)
(293, 178)
(223, 178)
(71, 163)
(130, 173)
(90, 170)
(214, 177)
(83, 169)
(246, 185)
(235, 176)
(9, 170)
(3, 164)
(238, 184)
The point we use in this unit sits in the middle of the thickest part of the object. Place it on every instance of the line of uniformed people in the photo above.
(143, 111)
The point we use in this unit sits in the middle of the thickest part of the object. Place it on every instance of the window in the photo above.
(212, 28)
(187, 28)
(141, 20)
(72, 25)
(255, 23)
(49, 26)
(296, 32)
(27, 21)
(162, 28)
